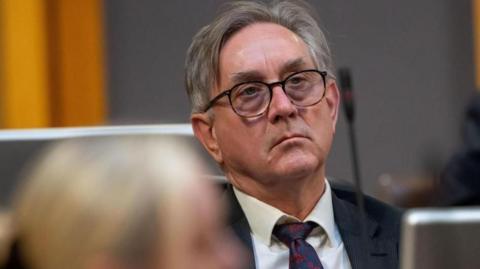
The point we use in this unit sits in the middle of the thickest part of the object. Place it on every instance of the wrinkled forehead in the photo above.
(261, 48)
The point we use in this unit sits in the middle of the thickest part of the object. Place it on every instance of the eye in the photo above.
(248, 90)
(297, 81)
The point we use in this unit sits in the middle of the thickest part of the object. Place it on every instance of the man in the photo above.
(265, 105)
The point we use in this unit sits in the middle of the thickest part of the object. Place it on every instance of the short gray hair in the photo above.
(201, 64)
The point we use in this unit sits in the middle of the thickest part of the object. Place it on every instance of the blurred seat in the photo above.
(18, 146)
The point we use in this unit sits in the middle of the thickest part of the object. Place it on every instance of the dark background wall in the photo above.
(412, 63)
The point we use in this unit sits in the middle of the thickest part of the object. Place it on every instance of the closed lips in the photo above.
(288, 137)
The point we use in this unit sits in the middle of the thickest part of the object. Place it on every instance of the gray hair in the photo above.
(201, 64)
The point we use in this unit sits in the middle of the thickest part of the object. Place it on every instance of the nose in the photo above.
(280, 105)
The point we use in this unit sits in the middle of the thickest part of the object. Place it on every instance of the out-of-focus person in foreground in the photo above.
(119, 203)
(264, 104)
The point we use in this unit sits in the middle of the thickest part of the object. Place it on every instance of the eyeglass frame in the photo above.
(270, 88)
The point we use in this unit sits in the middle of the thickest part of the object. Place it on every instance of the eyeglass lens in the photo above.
(252, 98)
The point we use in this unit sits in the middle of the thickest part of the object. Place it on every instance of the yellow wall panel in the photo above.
(80, 93)
(476, 40)
(24, 93)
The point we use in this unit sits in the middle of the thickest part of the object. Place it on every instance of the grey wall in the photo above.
(411, 60)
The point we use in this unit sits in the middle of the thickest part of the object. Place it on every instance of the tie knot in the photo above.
(292, 231)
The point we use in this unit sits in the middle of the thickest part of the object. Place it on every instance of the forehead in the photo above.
(263, 48)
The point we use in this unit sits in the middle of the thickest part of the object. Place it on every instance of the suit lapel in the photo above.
(239, 224)
(364, 253)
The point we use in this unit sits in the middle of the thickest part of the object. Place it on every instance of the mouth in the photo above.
(287, 138)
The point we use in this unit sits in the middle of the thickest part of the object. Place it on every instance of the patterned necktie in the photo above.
(302, 254)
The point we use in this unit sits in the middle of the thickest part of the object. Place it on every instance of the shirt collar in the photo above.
(263, 217)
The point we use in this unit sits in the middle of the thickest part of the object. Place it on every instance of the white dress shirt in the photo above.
(270, 253)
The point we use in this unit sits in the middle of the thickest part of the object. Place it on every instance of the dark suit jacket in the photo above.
(378, 250)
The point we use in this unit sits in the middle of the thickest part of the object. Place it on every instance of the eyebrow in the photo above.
(293, 66)
(290, 66)
(245, 76)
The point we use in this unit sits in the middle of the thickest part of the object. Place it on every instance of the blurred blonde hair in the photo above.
(113, 196)
(4, 233)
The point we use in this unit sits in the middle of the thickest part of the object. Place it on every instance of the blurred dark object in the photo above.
(459, 184)
(13, 260)
(472, 125)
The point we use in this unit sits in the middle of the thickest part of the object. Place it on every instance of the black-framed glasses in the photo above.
(252, 98)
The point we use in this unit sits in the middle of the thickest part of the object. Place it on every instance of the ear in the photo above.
(332, 96)
(204, 130)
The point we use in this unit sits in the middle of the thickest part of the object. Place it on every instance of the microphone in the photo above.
(347, 93)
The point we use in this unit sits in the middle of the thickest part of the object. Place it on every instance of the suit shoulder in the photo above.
(387, 216)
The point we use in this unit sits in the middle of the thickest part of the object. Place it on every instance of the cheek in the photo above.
(242, 138)
(321, 128)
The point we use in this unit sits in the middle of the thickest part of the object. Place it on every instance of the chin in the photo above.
(295, 160)
(298, 167)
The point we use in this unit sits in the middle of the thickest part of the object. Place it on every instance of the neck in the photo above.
(296, 197)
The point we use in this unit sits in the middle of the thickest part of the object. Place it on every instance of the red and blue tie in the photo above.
(302, 254)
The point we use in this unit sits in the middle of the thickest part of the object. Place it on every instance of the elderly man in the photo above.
(265, 105)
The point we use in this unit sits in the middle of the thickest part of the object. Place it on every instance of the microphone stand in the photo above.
(356, 169)
(349, 109)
